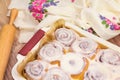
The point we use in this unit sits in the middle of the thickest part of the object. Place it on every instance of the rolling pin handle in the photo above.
(13, 14)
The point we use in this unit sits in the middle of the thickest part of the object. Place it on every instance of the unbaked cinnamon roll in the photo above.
(72, 63)
(51, 51)
(85, 46)
(56, 74)
(97, 72)
(109, 57)
(35, 70)
(65, 36)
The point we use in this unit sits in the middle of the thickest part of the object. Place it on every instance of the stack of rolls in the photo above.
(76, 57)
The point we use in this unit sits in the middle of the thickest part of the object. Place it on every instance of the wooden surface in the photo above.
(17, 46)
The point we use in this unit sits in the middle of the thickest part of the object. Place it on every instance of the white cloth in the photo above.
(25, 36)
(90, 16)
(67, 11)
(19, 4)
(24, 20)
(79, 12)
(50, 19)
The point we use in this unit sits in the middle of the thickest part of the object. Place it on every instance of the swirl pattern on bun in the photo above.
(97, 72)
(65, 36)
(51, 51)
(35, 69)
(85, 46)
(109, 56)
(56, 73)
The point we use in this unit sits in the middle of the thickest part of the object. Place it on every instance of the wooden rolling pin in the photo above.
(7, 35)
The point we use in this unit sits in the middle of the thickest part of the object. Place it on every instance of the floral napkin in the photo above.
(100, 17)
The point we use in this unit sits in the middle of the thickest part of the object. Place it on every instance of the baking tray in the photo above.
(103, 43)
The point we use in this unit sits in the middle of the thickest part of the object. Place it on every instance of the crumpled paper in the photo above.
(79, 12)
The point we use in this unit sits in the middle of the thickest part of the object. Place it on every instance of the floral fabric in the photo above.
(100, 17)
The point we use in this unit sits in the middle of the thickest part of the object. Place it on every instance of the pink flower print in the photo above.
(90, 30)
(38, 16)
(116, 27)
(38, 8)
(114, 18)
(108, 21)
(37, 4)
(109, 24)
(40, 2)
(72, 0)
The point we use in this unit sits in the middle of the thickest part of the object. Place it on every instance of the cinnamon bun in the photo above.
(65, 36)
(97, 72)
(35, 70)
(85, 46)
(56, 73)
(72, 63)
(51, 51)
(109, 56)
